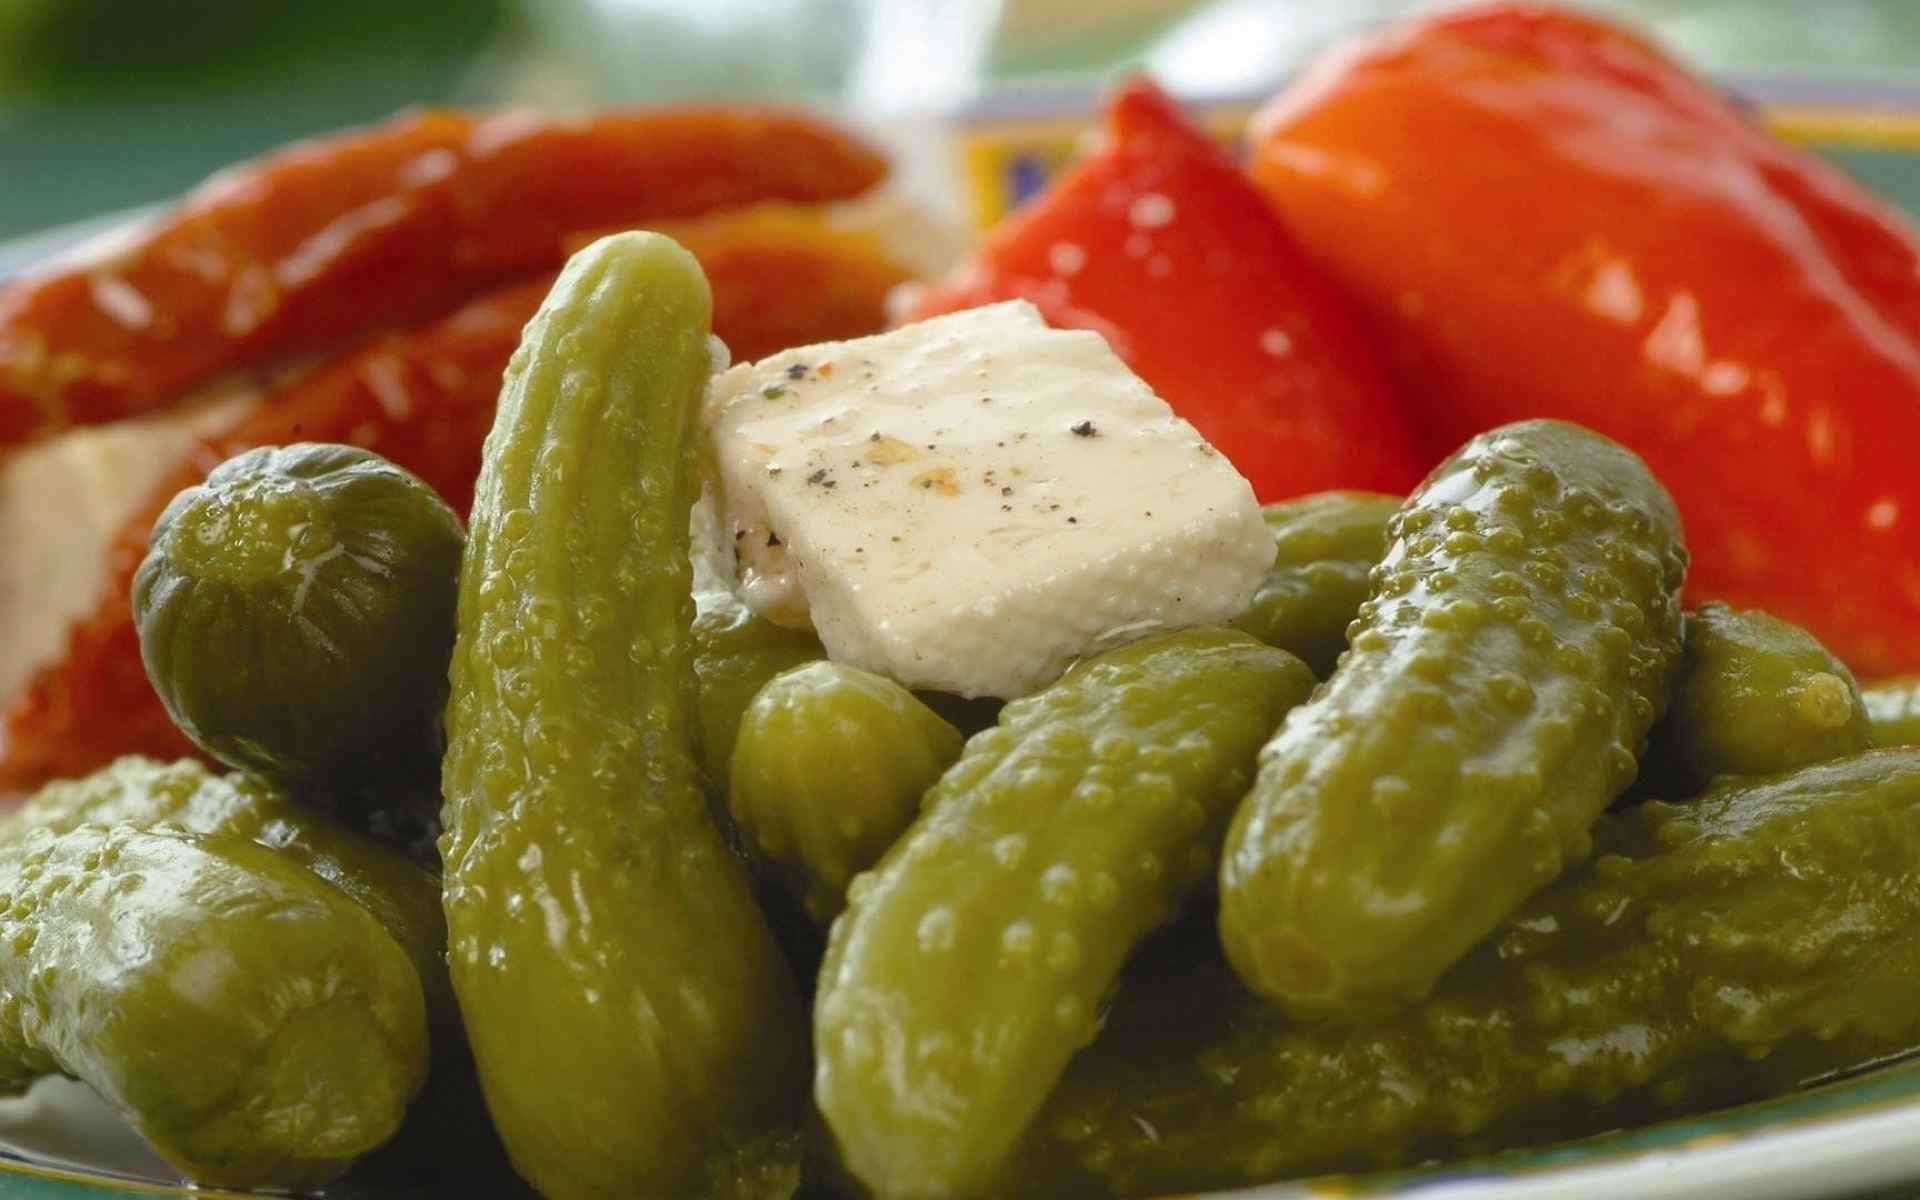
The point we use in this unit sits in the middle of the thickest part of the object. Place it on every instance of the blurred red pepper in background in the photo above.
(1542, 215)
(1156, 240)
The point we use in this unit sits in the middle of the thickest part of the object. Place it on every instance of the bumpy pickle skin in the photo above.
(970, 964)
(252, 1023)
(1755, 695)
(1755, 939)
(829, 769)
(1324, 548)
(147, 794)
(295, 614)
(1520, 641)
(1893, 710)
(636, 1030)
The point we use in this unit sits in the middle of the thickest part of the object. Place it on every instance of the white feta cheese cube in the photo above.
(971, 503)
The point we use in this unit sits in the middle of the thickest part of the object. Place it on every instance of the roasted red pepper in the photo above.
(345, 233)
(1541, 215)
(1156, 240)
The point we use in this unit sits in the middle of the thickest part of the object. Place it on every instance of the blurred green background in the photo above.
(107, 104)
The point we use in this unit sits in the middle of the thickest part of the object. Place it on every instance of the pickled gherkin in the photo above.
(1754, 695)
(830, 767)
(970, 964)
(735, 653)
(147, 794)
(637, 1032)
(1893, 711)
(295, 614)
(298, 1044)
(1325, 547)
(1758, 938)
(1520, 641)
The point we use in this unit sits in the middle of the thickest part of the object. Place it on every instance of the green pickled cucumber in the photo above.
(1893, 710)
(829, 769)
(1755, 695)
(735, 653)
(1759, 938)
(295, 614)
(147, 794)
(1324, 548)
(970, 964)
(1520, 641)
(255, 1025)
(637, 1032)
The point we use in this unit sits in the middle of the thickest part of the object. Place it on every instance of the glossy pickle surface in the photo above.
(250, 1021)
(829, 769)
(1754, 695)
(970, 964)
(636, 1030)
(1519, 642)
(295, 615)
(399, 893)
(1325, 547)
(735, 653)
(1680, 970)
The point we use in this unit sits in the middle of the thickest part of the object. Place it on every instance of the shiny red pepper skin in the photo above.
(326, 239)
(1156, 240)
(1542, 216)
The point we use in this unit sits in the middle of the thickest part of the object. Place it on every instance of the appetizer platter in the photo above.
(561, 656)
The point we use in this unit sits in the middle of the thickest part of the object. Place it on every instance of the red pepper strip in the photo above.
(1156, 240)
(1542, 216)
(345, 233)
(424, 399)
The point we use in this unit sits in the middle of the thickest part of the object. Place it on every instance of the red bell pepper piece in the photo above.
(1156, 240)
(1542, 216)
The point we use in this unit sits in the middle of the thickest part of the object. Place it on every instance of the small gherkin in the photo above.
(295, 614)
(1753, 940)
(970, 963)
(1754, 695)
(250, 1020)
(636, 1029)
(829, 768)
(735, 654)
(1520, 641)
(1325, 547)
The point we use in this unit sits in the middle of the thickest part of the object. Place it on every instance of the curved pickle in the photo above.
(254, 1024)
(636, 1030)
(1755, 695)
(829, 769)
(1519, 643)
(1758, 938)
(969, 966)
(147, 794)
(1325, 547)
